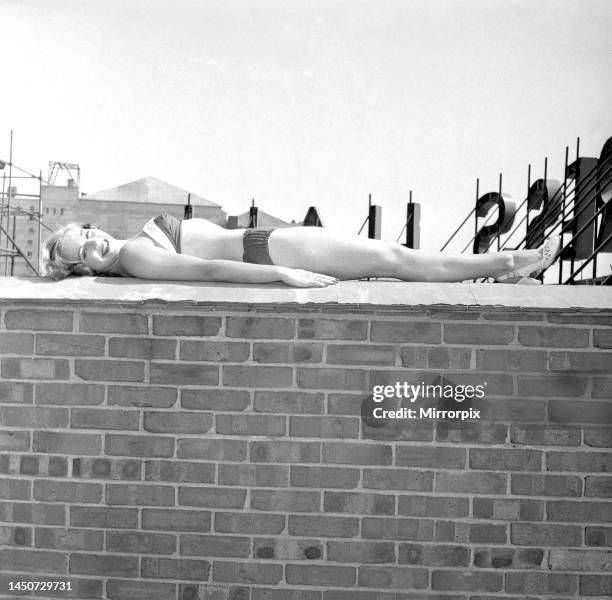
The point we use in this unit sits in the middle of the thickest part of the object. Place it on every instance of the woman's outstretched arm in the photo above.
(143, 260)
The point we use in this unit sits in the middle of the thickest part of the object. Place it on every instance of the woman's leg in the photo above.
(350, 257)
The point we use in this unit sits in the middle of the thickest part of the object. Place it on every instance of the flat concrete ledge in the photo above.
(391, 294)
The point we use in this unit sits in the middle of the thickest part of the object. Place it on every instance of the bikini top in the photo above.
(166, 231)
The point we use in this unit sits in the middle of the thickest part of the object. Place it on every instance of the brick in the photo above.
(215, 545)
(585, 462)
(330, 378)
(434, 556)
(288, 402)
(286, 500)
(247, 376)
(587, 362)
(502, 315)
(186, 325)
(139, 495)
(466, 581)
(397, 529)
(40, 417)
(286, 548)
(174, 519)
(577, 318)
(213, 351)
(487, 533)
(287, 353)
(464, 432)
(109, 370)
(148, 348)
(16, 343)
(38, 320)
(247, 572)
(141, 542)
(177, 422)
(398, 479)
(546, 435)
(541, 583)
(213, 497)
(170, 470)
(344, 404)
(100, 322)
(357, 453)
(320, 575)
(585, 411)
(170, 568)
(456, 532)
(254, 475)
(505, 460)
(431, 506)
(598, 437)
(249, 523)
(511, 360)
(602, 338)
(173, 373)
(14, 440)
(475, 334)
(15, 392)
(103, 468)
(142, 396)
(553, 337)
(139, 590)
(267, 425)
(214, 399)
(435, 357)
(286, 594)
(600, 487)
(403, 578)
(361, 552)
(528, 534)
(357, 354)
(602, 388)
(595, 585)
(332, 329)
(138, 445)
(36, 513)
(598, 536)
(15, 536)
(580, 560)
(324, 427)
(430, 457)
(213, 449)
(34, 368)
(260, 328)
(285, 452)
(324, 477)
(66, 443)
(96, 418)
(551, 385)
(35, 561)
(104, 565)
(413, 332)
(69, 394)
(57, 344)
(366, 504)
(66, 491)
(473, 483)
(103, 517)
(546, 485)
(213, 592)
(508, 558)
(585, 512)
(323, 526)
(358, 595)
(69, 539)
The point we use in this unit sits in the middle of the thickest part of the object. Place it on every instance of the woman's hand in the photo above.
(302, 278)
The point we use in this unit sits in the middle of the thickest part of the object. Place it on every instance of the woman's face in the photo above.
(93, 248)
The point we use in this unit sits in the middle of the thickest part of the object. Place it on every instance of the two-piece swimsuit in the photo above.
(166, 231)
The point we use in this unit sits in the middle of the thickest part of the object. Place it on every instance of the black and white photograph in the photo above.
(305, 299)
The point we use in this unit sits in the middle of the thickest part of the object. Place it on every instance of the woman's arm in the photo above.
(144, 260)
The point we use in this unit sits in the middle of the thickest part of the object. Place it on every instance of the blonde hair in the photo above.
(53, 265)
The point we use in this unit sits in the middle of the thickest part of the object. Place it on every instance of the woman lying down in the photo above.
(198, 250)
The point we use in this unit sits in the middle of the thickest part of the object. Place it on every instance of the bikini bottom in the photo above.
(255, 246)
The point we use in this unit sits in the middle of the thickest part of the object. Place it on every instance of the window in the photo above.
(30, 229)
(47, 210)
(30, 242)
(29, 254)
(61, 211)
(55, 211)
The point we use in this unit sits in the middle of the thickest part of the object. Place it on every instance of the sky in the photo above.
(320, 102)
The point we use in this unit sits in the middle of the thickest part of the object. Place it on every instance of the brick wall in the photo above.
(162, 451)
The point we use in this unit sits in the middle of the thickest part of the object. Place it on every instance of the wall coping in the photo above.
(355, 294)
